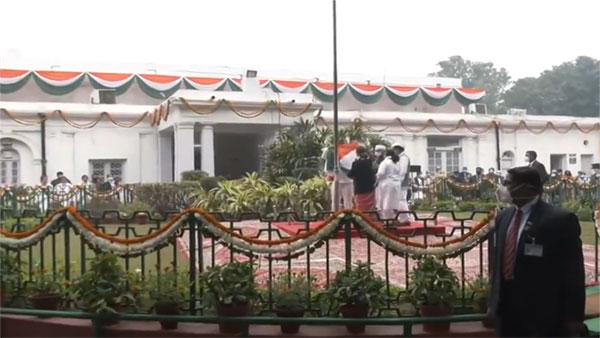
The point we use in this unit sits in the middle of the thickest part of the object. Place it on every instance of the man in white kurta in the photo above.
(404, 164)
(345, 185)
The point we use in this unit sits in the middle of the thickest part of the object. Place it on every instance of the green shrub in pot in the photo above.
(45, 289)
(168, 290)
(103, 288)
(230, 289)
(10, 275)
(433, 286)
(291, 294)
(355, 292)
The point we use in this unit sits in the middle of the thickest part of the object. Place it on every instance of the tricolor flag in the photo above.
(346, 155)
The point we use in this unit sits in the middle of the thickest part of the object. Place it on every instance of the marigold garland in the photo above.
(27, 233)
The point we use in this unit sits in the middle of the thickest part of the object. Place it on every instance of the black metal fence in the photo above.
(64, 251)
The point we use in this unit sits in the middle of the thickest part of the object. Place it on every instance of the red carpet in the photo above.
(416, 228)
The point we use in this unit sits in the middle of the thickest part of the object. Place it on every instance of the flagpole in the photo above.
(336, 167)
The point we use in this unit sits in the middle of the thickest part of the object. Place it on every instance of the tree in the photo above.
(476, 74)
(572, 88)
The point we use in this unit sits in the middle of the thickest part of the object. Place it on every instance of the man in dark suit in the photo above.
(538, 280)
(531, 156)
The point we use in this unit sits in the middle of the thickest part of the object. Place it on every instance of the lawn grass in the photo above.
(53, 257)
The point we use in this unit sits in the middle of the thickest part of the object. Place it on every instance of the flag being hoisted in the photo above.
(346, 155)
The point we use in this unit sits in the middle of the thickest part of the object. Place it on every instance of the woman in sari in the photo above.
(363, 176)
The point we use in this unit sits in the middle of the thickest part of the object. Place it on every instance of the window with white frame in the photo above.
(100, 169)
(572, 158)
(10, 166)
(444, 154)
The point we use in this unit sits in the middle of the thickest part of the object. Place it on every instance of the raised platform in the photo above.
(416, 228)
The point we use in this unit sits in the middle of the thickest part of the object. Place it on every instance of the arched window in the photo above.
(508, 160)
(10, 166)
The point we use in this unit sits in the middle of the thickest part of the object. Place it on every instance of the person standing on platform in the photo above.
(363, 176)
(389, 181)
(531, 158)
(344, 182)
(404, 164)
(380, 150)
(538, 278)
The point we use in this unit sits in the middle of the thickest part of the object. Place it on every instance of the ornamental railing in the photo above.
(61, 241)
(438, 189)
(556, 191)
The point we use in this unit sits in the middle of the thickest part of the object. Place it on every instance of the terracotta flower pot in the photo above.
(167, 308)
(355, 311)
(45, 301)
(232, 310)
(287, 313)
(441, 310)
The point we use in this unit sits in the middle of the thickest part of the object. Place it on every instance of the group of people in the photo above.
(61, 184)
(380, 182)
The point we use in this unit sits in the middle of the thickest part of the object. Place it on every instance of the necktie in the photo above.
(510, 247)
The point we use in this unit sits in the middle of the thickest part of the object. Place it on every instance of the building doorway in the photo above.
(236, 154)
(586, 163)
(558, 161)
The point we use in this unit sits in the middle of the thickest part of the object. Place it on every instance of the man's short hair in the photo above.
(58, 173)
(526, 175)
(531, 153)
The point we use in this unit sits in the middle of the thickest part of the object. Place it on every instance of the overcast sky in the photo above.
(379, 38)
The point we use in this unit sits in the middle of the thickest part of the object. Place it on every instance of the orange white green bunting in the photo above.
(205, 83)
(12, 80)
(58, 83)
(324, 90)
(467, 96)
(402, 95)
(436, 96)
(283, 86)
(366, 93)
(118, 81)
(158, 86)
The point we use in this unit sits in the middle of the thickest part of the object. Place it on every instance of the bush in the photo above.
(443, 206)
(136, 206)
(209, 183)
(97, 206)
(193, 175)
(166, 197)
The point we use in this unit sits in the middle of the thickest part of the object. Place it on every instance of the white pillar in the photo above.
(419, 152)
(469, 149)
(207, 138)
(184, 149)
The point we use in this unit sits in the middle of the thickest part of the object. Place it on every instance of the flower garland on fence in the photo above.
(286, 248)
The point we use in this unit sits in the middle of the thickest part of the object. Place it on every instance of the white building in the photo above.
(162, 125)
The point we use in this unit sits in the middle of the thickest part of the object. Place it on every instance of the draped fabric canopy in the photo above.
(163, 86)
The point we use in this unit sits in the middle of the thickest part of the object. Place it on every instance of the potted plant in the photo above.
(142, 209)
(290, 297)
(103, 288)
(168, 290)
(230, 289)
(433, 287)
(480, 288)
(45, 291)
(10, 274)
(356, 291)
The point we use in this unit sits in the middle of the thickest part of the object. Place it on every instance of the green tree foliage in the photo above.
(297, 151)
(476, 74)
(572, 88)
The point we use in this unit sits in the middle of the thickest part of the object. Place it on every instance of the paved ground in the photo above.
(397, 266)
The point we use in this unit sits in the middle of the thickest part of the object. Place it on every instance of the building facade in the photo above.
(162, 125)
